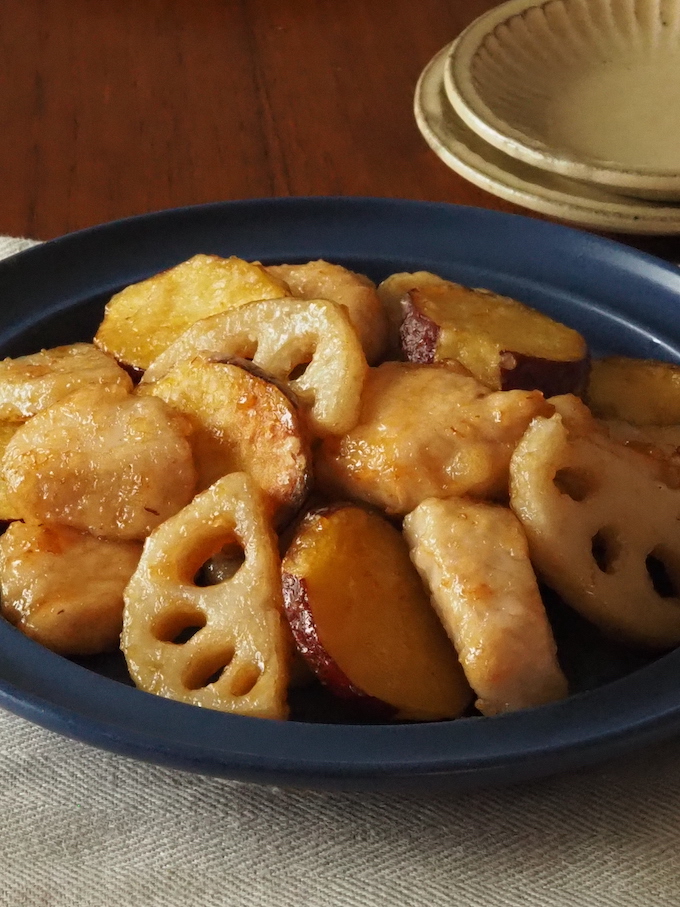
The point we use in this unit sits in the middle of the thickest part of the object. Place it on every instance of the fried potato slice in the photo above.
(237, 656)
(426, 431)
(602, 525)
(31, 383)
(474, 559)
(242, 421)
(638, 391)
(101, 461)
(283, 336)
(145, 318)
(322, 280)
(361, 618)
(65, 588)
(502, 342)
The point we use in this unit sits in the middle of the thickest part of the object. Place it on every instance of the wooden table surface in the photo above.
(114, 109)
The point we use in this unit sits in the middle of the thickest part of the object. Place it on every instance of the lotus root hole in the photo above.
(299, 370)
(606, 548)
(244, 679)
(178, 626)
(221, 566)
(660, 575)
(207, 667)
(576, 483)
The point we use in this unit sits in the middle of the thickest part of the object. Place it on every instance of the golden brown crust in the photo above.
(65, 588)
(101, 461)
(426, 431)
(242, 421)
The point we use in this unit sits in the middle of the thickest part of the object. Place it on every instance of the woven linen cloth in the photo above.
(84, 828)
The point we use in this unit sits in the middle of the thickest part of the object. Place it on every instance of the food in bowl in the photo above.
(381, 528)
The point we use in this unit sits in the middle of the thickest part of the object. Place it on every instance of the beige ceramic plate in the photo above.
(539, 190)
(586, 88)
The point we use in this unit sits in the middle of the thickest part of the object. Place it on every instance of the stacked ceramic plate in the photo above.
(567, 107)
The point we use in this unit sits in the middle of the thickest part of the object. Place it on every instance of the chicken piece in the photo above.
(355, 292)
(427, 431)
(101, 461)
(474, 559)
(31, 383)
(602, 524)
(65, 588)
(224, 646)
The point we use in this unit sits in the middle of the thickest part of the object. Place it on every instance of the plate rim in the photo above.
(257, 750)
(479, 117)
(620, 215)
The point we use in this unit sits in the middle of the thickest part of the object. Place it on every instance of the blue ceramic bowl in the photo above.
(623, 301)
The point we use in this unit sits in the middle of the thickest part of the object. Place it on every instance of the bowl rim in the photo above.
(620, 214)
(53, 278)
(507, 137)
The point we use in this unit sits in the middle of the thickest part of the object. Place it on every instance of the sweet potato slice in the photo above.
(474, 559)
(243, 421)
(283, 337)
(503, 343)
(145, 318)
(639, 391)
(362, 620)
(101, 461)
(355, 292)
(31, 383)
(224, 646)
(65, 588)
(426, 431)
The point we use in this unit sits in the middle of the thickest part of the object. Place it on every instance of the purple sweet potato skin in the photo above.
(419, 335)
(301, 619)
(521, 372)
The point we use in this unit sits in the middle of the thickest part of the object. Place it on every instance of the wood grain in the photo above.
(114, 109)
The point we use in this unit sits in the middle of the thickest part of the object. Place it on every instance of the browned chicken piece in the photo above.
(101, 461)
(427, 431)
(65, 588)
(31, 383)
(602, 523)
(224, 646)
(474, 559)
(322, 280)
